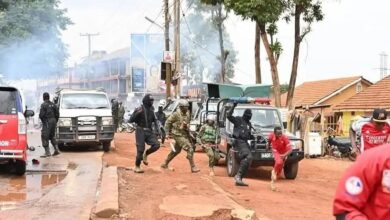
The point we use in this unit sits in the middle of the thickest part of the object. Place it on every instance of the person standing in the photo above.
(144, 117)
(209, 138)
(49, 117)
(121, 113)
(161, 115)
(370, 132)
(242, 133)
(281, 148)
(364, 189)
(114, 111)
(177, 125)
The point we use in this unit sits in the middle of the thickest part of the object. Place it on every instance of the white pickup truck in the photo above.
(85, 118)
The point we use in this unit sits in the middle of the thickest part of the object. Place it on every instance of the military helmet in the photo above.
(184, 103)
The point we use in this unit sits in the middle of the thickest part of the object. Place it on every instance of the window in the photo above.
(8, 102)
(85, 101)
(359, 87)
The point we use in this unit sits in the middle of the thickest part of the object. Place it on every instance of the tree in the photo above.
(257, 55)
(30, 43)
(218, 16)
(265, 13)
(311, 11)
(201, 53)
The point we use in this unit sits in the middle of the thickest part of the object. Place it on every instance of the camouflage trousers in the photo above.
(212, 153)
(181, 143)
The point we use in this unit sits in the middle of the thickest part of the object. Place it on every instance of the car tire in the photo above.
(291, 170)
(106, 146)
(61, 146)
(232, 164)
(20, 167)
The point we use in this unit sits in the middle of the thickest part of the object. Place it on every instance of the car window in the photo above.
(8, 100)
(84, 101)
(265, 118)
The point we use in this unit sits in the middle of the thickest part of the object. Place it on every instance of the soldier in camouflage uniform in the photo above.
(177, 125)
(209, 137)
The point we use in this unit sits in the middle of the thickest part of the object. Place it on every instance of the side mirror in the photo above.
(29, 113)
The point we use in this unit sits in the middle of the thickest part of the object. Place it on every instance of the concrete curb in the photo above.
(107, 204)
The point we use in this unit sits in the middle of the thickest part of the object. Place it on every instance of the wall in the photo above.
(344, 95)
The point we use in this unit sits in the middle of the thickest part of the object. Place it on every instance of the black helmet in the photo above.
(46, 96)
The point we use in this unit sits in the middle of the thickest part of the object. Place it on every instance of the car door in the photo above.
(9, 109)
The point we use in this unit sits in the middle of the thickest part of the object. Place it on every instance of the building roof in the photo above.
(375, 96)
(316, 92)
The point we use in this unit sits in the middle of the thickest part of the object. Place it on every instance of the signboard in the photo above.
(145, 59)
(138, 80)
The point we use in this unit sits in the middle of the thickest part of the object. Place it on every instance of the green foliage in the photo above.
(283, 88)
(30, 42)
(261, 11)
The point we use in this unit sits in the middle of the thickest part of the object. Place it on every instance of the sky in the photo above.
(346, 43)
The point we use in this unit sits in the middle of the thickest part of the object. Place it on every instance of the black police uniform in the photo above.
(49, 116)
(242, 133)
(144, 117)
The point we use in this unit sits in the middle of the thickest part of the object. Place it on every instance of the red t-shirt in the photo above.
(372, 137)
(281, 145)
(364, 189)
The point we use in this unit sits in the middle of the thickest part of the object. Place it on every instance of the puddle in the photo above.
(15, 189)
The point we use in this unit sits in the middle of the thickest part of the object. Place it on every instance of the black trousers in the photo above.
(145, 136)
(48, 132)
(245, 156)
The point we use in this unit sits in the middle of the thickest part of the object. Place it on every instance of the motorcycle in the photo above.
(338, 148)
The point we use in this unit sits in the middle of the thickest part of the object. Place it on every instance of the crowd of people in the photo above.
(363, 191)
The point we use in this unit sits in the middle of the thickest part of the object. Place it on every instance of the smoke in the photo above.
(201, 51)
(30, 43)
(32, 59)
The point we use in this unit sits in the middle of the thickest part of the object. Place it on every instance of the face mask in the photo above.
(247, 115)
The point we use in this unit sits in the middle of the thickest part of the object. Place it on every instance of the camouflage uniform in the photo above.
(209, 136)
(177, 125)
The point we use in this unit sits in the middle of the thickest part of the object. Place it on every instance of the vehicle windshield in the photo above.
(8, 102)
(85, 101)
(264, 118)
(171, 107)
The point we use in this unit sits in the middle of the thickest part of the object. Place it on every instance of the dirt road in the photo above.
(179, 194)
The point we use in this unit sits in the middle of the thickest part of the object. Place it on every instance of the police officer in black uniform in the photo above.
(144, 117)
(242, 133)
(49, 116)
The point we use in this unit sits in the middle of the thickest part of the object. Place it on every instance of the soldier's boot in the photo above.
(238, 179)
(273, 180)
(169, 158)
(212, 171)
(138, 169)
(56, 150)
(47, 152)
(194, 169)
(145, 158)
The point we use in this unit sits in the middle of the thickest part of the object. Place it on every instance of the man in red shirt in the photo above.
(370, 132)
(281, 148)
(364, 191)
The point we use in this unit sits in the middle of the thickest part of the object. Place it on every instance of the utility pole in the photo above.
(166, 35)
(89, 35)
(177, 45)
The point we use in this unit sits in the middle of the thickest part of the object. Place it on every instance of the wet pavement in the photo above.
(60, 187)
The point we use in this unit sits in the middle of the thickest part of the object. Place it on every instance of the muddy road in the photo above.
(61, 187)
(179, 194)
